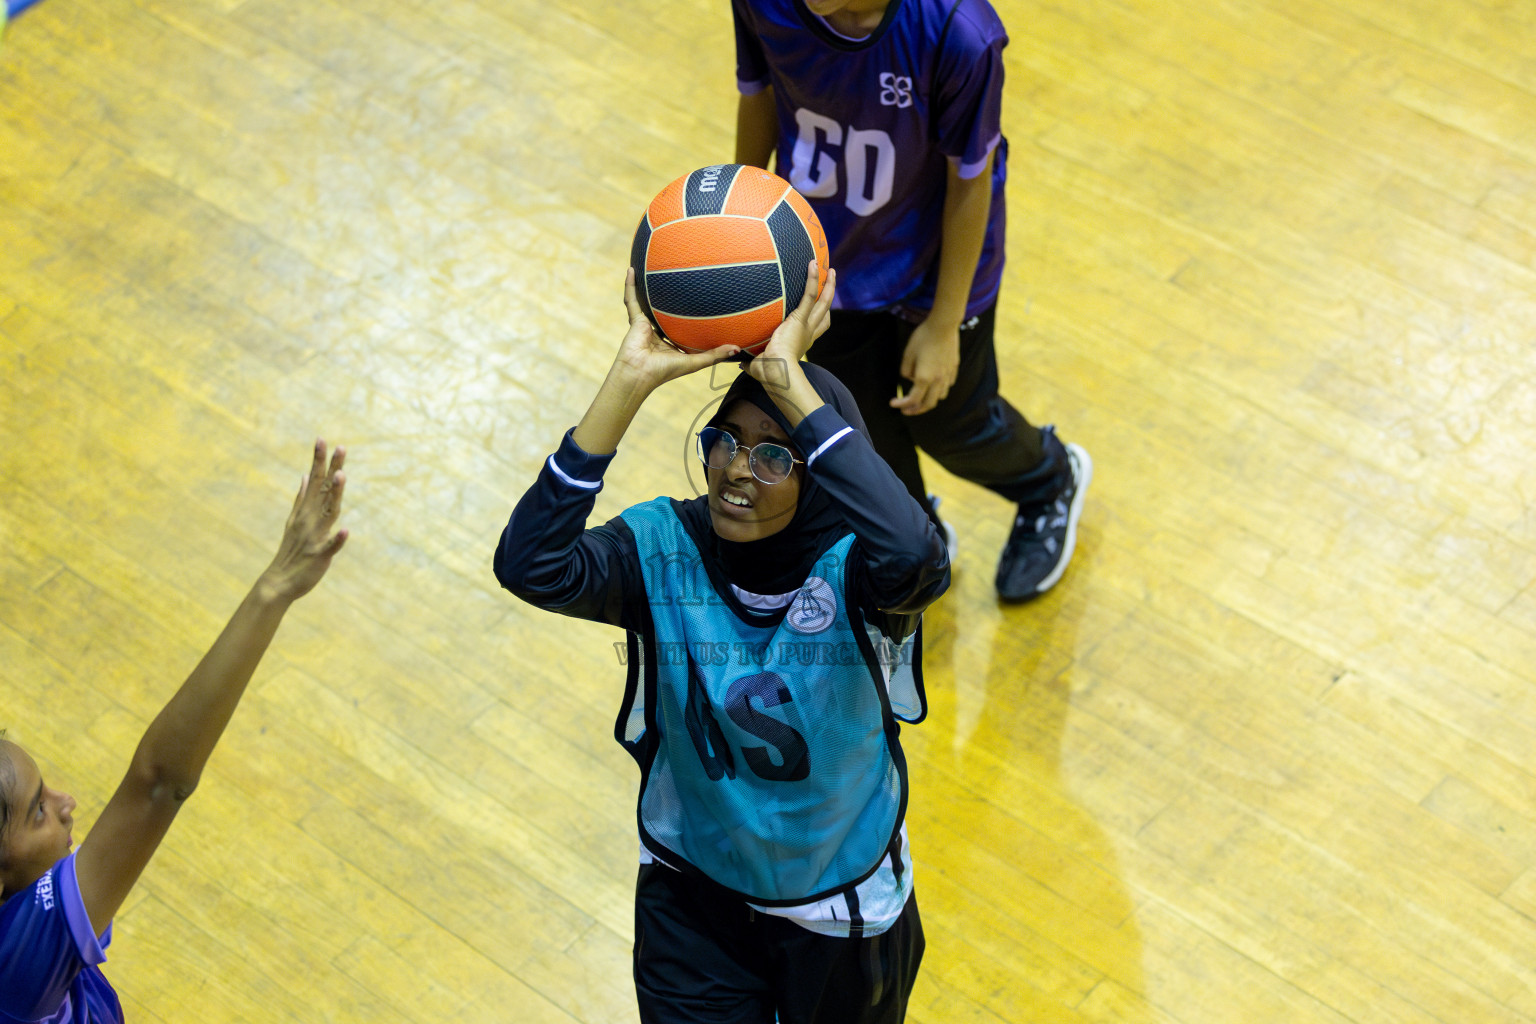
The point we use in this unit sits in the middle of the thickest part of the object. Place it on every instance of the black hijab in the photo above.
(779, 563)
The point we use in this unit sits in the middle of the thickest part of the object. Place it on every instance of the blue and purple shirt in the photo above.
(869, 127)
(50, 957)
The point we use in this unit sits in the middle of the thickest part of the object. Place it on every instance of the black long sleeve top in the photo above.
(548, 558)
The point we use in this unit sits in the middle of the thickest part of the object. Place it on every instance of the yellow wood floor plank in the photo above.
(1265, 753)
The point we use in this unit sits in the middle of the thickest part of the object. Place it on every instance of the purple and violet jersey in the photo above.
(868, 128)
(50, 957)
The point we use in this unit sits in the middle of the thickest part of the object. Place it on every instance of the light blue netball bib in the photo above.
(774, 766)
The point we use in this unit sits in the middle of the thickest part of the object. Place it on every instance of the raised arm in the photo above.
(904, 560)
(545, 555)
(644, 363)
(170, 758)
(899, 553)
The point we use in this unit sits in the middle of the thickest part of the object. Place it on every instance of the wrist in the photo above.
(630, 382)
(270, 594)
(626, 389)
(945, 316)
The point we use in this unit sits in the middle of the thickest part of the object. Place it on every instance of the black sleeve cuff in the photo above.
(819, 432)
(578, 467)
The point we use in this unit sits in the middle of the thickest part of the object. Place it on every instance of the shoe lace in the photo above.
(1053, 516)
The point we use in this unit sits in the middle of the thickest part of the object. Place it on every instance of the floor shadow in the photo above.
(1026, 876)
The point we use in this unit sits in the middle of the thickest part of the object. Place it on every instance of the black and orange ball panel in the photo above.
(720, 256)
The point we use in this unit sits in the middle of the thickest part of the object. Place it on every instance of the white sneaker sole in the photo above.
(1082, 470)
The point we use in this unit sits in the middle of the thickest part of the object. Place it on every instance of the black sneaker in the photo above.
(1043, 537)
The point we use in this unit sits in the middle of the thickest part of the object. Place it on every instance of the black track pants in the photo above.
(973, 432)
(702, 957)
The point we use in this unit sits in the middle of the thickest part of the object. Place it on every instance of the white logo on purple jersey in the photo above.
(895, 90)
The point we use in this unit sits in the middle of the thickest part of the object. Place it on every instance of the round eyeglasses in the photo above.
(769, 462)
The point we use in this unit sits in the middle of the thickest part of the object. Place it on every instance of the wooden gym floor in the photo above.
(1268, 754)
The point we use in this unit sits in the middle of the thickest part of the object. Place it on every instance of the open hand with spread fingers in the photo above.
(309, 543)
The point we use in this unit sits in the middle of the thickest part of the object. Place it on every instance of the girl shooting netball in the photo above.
(773, 647)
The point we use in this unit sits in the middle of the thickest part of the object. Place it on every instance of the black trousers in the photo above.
(973, 432)
(702, 957)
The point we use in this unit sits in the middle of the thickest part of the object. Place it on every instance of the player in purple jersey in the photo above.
(885, 115)
(56, 906)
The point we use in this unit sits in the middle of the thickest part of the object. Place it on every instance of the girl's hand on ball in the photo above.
(650, 357)
(810, 320)
(778, 366)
